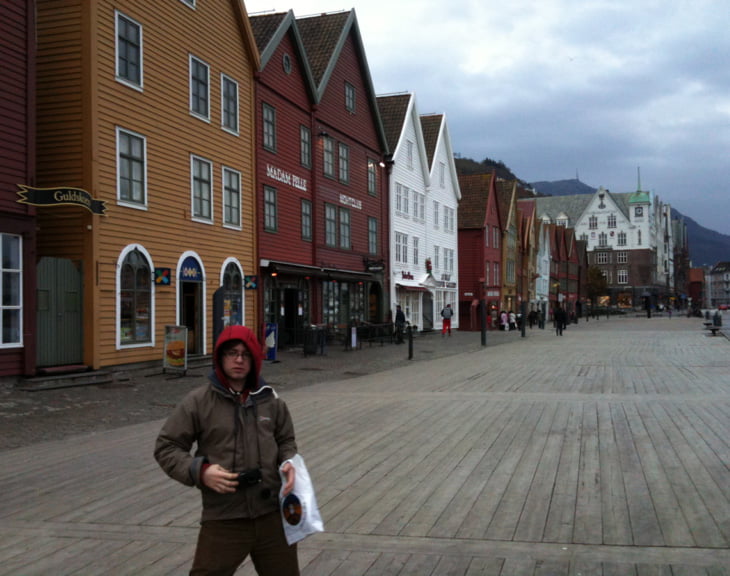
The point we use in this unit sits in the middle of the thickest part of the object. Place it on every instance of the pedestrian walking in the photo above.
(446, 315)
(400, 324)
(512, 320)
(244, 438)
(560, 319)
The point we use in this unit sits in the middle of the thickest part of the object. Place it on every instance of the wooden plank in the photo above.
(666, 505)
(524, 460)
(614, 507)
(539, 499)
(588, 528)
(492, 475)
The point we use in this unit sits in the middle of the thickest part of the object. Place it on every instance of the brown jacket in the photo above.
(256, 434)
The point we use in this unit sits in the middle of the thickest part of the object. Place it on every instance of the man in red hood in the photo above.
(244, 437)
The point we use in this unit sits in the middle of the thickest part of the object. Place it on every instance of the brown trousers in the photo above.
(223, 545)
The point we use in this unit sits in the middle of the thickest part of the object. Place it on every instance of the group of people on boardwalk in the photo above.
(507, 321)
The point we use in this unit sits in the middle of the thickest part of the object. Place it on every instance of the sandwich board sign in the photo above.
(175, 355)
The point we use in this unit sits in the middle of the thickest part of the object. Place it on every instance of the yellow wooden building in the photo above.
(145, 187)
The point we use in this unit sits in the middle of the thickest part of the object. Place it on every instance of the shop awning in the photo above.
(411, 288)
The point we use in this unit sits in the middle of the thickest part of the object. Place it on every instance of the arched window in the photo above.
(233, 290)
(135, 299)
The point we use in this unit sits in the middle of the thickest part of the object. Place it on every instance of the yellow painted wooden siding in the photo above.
(160, 112)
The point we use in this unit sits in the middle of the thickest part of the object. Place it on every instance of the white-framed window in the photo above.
(271, 210)
(449, 219)
(328, 151)
(135, 298)
(602, 239)
(449, 260)
(638, 237)
(442, 174)
(344, 158)
(344, 214)
(201, 187)
(416, 255)
(307, 220)
(409, 154)
(593, 223)
(401, 248)
(129, 53)
(330, 225)
(269, 123)
(621, 239)
(436, 214)
(401, 199)
(622, 276)
(11, 290)
(372, 235)
(231, 198)
(229, 104)
(496, 274)
(602, 258)
(131, 168)
(622, 257)
(496, 236)
(419, 206)
(305, 146)
(487, 270)
(350, 98)
(486, 236)
(436, 258)
(612, 220)
(199, 88)
(372, 177)
(232, 283)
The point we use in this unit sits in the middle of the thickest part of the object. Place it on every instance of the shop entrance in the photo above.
(59, 320)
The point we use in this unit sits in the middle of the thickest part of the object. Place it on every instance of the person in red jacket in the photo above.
(244, 436)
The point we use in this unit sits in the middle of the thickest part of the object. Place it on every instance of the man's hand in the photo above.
(290, 472)
(219, 479)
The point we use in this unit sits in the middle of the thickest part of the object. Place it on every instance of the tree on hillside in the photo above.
(468, 166)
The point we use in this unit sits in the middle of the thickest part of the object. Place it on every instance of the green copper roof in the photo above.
(639, 198)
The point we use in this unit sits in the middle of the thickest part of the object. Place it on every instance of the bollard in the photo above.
(523, 321)
(410, 343)
(483, 320)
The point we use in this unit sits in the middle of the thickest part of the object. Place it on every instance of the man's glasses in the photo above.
(235, 354)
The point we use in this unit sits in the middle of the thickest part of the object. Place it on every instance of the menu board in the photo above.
(175, 356)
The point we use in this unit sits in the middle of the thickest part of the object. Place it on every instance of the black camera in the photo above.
(249, 477)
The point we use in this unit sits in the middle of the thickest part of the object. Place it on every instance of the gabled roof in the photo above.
(394, 112)
(436, 129)
(393, 109)
(324, 37)
(505, 190)
(474, 197)
(431, 125)
(269, 30)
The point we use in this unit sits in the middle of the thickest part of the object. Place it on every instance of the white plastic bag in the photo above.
(299, 511)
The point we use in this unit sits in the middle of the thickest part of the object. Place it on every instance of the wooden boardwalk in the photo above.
(604, 452)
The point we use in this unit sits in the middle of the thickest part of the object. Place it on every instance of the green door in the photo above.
(59, 322)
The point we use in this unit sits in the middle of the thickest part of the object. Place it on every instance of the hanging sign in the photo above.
(60, 196)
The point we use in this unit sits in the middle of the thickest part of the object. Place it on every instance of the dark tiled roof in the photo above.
(474, 196)
(504, 199)
(431, 126)
(320, 36)
(264, 27)
(393, 110)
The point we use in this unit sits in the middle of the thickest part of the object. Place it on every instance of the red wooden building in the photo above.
(480, 249)
(321, 183)
(17, 166)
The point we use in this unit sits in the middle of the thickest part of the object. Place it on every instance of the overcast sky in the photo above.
(562, 88)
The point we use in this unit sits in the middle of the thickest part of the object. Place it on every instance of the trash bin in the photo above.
(717, 319)
(314, 338)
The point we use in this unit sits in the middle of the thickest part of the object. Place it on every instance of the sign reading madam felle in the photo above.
(60, 196)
